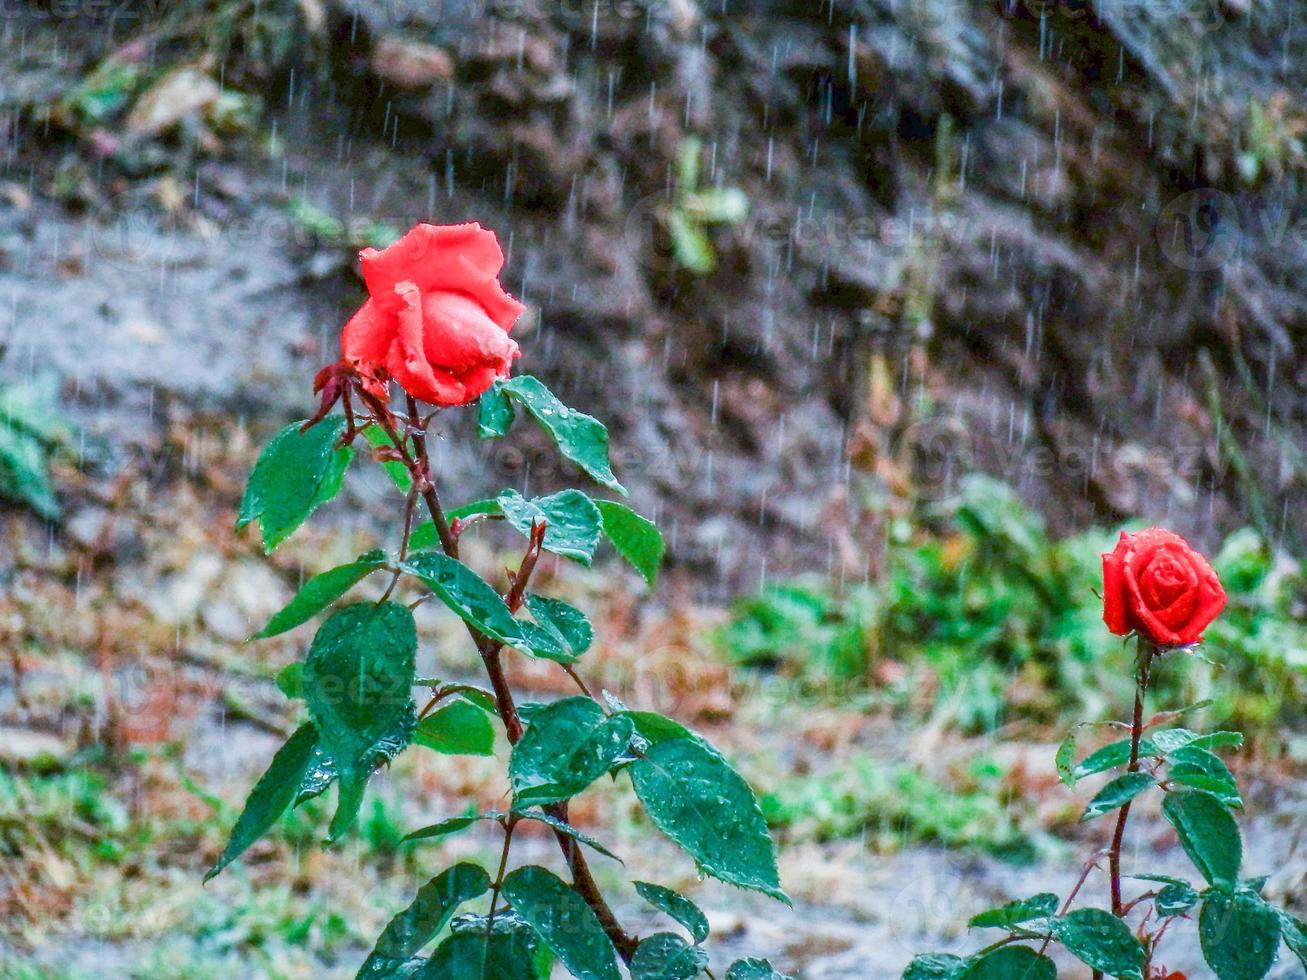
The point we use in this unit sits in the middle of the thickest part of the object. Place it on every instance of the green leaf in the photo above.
(290, 680)
(1202, 769)
(677, 906)
(296, 474)
(1010, 963)
(1118, 792)
(1294, 932)
(321, 591)
(753, 969)
(567, 746)
(567, 624)
(579, 437)
(1208, 834)
(1111, 756)
(507, 951)
(666, 956)
(567, 830)
(1171, 739)
(397, 471)
(423, 536)
(1015, 913)
(655, 728)
(418, 924)
(494, 413)
(457, 728)
(564, 921)
(476, 601)
(695, 798)
(1240, 934)
(271, 796)
(444, 828)
(488, 505)
(571, 521)
(1175, 899)
(1065, 757)
(357, 680)
(23, 471)
(636, 539)
(934, 966)
(1101, 941)
(320, 774)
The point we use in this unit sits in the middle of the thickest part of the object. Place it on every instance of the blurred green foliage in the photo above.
(32, 432)
(892, 806)
(980, 619)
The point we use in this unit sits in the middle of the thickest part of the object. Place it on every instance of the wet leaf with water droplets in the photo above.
(321, 591)
(1010, 963)
(666, 956)
(568, 625)
(357, 681)
(472, 954)
(1118, 792)
(580, 437)
(571, 519)
(1208, 834)
(457, 728)
(934, 966)
(1015, 913)
(476, 601)
(296, 474)
(426, 915)
(1201, 768)
(271, 796)
(567, 830)
(1240, 934)
(1294, 932)
(564, 921)
(451, 825)
(1109, 757)
(636, 539)
(677, 906)
(566, 747)
(1101, 941)
(1176, 898)
(754, 969)
(699, 801)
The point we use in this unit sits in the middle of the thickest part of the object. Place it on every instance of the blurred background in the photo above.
(897, 310)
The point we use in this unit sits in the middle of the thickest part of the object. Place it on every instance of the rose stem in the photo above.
(582, 879)
(1146, 653)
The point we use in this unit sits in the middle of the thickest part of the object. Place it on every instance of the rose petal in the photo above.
(458, 335)
(408, 361)
(1114, 605)
(367, 336)
(463, 258)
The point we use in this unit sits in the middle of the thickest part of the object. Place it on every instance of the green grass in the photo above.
(893, 805)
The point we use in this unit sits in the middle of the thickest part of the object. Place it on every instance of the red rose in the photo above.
(1158, 586)
(436, 320)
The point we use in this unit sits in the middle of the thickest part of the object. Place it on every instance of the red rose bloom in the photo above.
(436, 320)
(1158, 586)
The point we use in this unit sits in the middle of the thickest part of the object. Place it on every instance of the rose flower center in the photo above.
(1167, 585)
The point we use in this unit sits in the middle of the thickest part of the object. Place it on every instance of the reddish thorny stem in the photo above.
(418, 464)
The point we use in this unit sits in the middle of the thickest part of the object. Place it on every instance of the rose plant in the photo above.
(1163, 593)
(436, 327)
